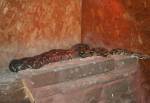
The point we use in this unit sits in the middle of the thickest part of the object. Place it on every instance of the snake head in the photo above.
(15, 65)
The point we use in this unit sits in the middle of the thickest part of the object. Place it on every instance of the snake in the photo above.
(80, 50)
(50, 56)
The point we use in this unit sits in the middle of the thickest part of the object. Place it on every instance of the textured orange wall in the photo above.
(117, 23)
(29, 27)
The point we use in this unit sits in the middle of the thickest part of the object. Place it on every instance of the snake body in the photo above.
(125, 52)
(55, 55)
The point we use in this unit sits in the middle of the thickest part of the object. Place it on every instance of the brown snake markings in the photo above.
(55, 55)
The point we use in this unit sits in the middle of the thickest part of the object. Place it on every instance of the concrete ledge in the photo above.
(66, 87)
(68, 70)
(11, 88)
(83, 81)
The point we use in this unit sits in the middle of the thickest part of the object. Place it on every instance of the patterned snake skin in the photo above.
(55, 55)
(125, 52)
(51, 56)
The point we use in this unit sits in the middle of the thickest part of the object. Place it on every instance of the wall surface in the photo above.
(29, 27)
(117, 24)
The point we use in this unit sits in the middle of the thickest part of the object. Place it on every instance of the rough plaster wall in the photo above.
(29, 27)
(117, 23)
